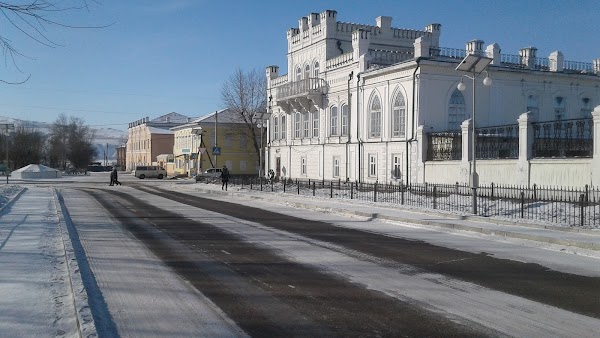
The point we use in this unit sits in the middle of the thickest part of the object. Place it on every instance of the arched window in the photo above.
(344, 120)
(456, 110)
(559, 107)
(298, 74)
(586, 107)
(307, 71)
(297, 119)
(533, 105)
(375, 117)
(399, 116)
(333, 120)
(283, 127)
(315, 123)
(276, 128)
(316, 70)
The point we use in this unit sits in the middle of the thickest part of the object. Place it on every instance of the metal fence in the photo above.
(548, 205)
(566, 138)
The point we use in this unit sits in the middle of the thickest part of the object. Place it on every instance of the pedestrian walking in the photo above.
(224, 178)
(113, 177)
(271, 176)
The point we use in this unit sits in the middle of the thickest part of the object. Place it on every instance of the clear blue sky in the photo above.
(162, 56)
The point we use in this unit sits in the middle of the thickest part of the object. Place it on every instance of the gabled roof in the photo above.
(222, 116)
(171, 118)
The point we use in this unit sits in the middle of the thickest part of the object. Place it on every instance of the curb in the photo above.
(85, 320)
(447, 225)
(13, 199)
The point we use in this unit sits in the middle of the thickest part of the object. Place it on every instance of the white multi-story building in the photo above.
(359, 102)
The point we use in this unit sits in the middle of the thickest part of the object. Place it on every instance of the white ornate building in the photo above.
(358, 102)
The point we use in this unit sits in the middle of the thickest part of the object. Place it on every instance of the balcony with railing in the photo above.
(301, 94)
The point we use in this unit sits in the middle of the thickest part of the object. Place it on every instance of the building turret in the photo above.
(528, 55)
(272, 73)
(436, 30)
(385, 24)
(493, 51)
(474, 47)
(557, 61)
(360, 42)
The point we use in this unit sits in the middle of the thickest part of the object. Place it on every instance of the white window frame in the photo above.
(276, 128)
(303, 166)
(305, 124)
(372, 165)
(333, 121)
(586, 107)
(399, 116)
(297, 125)
(533, 105)
(316, 69)
(283, 127)
(457, 110)
(336, 166)
(298, 73)
(344, 120)
(375, 117)
(560, 102)
(397, 166)
(315, 124)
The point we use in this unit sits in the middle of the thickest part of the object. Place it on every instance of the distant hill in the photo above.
(106, 140)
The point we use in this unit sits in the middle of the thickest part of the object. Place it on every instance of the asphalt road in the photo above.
(269, 294)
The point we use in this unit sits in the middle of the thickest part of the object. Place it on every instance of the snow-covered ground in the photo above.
(40, 297)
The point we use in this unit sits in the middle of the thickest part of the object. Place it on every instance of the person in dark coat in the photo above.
(224, 178)
(113, 177)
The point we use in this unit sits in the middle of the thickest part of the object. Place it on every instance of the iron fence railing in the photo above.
(547, 205)
(563, 138)
(498, 142)
(444, 146)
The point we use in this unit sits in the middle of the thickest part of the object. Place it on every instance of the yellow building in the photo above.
(149, 138)
(221, 138)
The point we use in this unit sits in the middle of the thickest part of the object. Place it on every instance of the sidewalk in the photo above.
(579, 241)
(36, 279)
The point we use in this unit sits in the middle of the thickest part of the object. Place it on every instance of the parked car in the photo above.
(150, 171)
(209, 173)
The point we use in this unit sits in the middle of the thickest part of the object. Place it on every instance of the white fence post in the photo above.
(465, 167)
(525, 147)
(596, 152)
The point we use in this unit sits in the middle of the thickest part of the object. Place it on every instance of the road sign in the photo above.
(216, 151)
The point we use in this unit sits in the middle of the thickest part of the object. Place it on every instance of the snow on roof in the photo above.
(154, 130)
(223, 115)
(35, 168)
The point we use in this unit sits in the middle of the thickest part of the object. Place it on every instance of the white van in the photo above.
(149, 171)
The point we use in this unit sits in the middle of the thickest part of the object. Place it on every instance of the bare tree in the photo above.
(32, 18)
(27, 147)
(245, 94)
(70, 143)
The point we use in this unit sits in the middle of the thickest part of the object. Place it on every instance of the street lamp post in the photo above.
(261, 118)
(476, 64)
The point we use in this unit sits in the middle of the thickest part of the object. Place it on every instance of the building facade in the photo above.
(149, 138)
(226, 138)
(359, 101)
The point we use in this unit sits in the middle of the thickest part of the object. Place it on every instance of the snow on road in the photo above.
(511, 315)
(143, 296)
